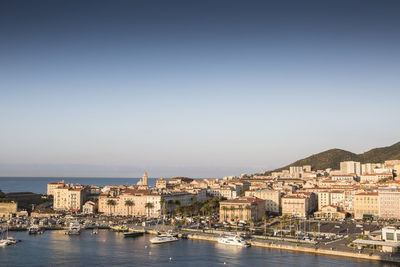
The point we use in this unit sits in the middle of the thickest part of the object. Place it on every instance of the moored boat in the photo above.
(163, 238)
(133, 234)
(236, 240)
(74, 229)
(119, 228)
(35, 230)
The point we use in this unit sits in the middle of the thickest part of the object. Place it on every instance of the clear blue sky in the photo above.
(193, 88)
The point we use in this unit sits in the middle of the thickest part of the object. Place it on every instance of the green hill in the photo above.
(332, 158)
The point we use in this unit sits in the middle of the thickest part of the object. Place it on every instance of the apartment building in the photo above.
(348, 167)
(366, 205)
(389, 202)
(242, 209)
(52, 186)
(299, 204)
(272, 199)
(69, 198)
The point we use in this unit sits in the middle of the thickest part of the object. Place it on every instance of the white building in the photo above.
(347, 167)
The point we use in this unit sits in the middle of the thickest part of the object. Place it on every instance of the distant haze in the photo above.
(193, 88)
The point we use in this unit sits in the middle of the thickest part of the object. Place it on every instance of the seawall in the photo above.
(324, 251)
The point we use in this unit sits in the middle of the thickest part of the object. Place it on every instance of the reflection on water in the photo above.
(110, 249)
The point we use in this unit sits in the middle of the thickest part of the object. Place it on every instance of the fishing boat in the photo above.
(163, 238)
(236, 240)
(74, 229)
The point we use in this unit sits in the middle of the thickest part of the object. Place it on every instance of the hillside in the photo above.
(332, 158)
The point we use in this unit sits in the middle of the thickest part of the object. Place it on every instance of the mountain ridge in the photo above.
(331, 158)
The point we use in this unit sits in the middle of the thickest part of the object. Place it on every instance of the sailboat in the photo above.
(7, 240)
(164, 238)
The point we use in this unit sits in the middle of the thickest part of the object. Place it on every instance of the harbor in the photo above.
(108, 247)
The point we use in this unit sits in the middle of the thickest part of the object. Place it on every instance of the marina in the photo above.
(110, 248)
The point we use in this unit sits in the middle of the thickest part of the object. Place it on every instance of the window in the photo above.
(389, 236)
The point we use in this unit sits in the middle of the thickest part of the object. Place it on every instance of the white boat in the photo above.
(12, 240)
(74, 229)
(236, 240)
(4, 242)
(164, 238)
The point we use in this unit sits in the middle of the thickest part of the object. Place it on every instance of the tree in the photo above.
(129, 204)
(240, 208)
(148, 206)
(163, 206)
(265, 220)
(232, 209)
(224, 208)
(248, 208)
(111, 203)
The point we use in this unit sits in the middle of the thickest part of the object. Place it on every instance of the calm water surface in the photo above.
(112, 249)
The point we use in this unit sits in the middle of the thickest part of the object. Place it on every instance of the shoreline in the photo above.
(305, 249)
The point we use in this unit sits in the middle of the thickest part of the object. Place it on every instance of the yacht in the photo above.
(163, 238)
(236, 240)
(74, 229)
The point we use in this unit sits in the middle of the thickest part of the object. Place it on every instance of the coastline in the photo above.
(270, 245)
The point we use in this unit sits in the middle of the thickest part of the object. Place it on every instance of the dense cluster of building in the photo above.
(368, 190)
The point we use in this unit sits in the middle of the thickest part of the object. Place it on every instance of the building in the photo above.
(69, 198)
(389, 203)
(143, 181)
(299, 204)
(272, 199)
(242, 209)
(52, 186)
(344, 177)
(368, 168)
(161, 183)
(366, 205)
(348, 167)
(391, 233)
(89, 207)
(330, 212)
(130, 202)
(7, 209)
(375, 177)
(180, 180)
(394, 165)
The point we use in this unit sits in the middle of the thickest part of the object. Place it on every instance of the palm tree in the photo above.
(232, 209)
(224, 208)
(148, 206)
(111, 203)
(163, 206)
(248, 208)
(265, 219)
(129, 204)
(240, 208)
